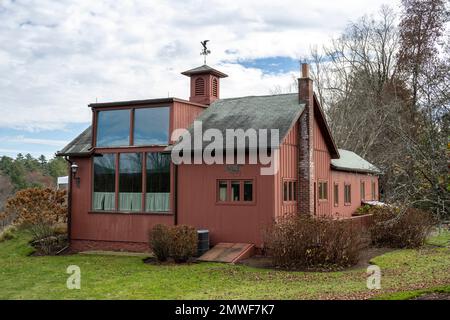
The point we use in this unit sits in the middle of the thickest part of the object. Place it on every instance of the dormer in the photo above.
(205, 84)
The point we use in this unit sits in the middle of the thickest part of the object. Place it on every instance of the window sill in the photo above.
(134, 213)
(347, 204)
(236, 203)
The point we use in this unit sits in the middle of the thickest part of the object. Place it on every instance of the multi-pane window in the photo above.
(347, 194)
(374, 194)
(130, 182)
(104, 195)
(133, 194)
(150, 127)
(235, 191)
(336, 194)
(113, 128)
(289, 190)
(323, 190)
(157, 182)
(362, 190)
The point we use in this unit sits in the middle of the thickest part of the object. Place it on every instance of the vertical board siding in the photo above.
(322, 171)
(288, 170)
(354, 179)
(184, 114)
(198, 206)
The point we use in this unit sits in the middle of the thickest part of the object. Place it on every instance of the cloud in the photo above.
(25, 140)
(59, 56)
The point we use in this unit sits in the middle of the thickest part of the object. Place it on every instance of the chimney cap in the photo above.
(305, 70)
(204, 69)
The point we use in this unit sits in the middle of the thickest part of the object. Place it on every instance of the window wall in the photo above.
(104, 196)
(133, 127)
(143, 182)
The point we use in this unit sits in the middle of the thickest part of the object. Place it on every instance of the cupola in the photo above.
(205, 84)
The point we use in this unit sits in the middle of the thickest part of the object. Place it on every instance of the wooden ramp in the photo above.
(228, 252)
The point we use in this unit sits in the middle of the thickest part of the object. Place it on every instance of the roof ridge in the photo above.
(262, 96)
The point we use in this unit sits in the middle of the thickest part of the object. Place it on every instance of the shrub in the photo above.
(183, 243)
(38, 206)
(400, 228)
(177, 242)
(160, 241)
(307, 242)
(365, 209)
(7, 233)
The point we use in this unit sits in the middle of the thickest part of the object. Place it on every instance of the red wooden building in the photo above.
(124, 180)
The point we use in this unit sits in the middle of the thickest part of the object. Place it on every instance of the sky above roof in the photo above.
(57, 57)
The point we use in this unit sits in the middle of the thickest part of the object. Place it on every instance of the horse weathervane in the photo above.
(205, 50)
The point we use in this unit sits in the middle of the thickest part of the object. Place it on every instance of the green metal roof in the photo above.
(350, 161)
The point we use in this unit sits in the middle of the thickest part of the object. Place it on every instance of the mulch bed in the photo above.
(366, 256)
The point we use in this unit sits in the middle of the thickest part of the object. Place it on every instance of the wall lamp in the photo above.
(74, 170)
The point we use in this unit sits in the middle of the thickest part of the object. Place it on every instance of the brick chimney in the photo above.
(306, 179)
(205, 84)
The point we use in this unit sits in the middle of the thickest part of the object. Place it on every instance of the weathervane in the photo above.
(205, 50)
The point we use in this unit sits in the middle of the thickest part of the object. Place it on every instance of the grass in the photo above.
(122, 277)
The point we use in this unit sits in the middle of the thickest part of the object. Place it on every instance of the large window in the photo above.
(158, 182)
(235, 191)
(113, 128)
(133, 195)
(151, 126)
(323, 190)
(130, 182)
(104, 197)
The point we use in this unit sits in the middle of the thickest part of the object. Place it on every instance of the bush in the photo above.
(400, 228)
(183, 243)
(177, 242)
(308, 242)
(160, 241)
(38, 206)
(7, 233)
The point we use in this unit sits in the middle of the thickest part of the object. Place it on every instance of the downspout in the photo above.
(69, 201)
(175, 195)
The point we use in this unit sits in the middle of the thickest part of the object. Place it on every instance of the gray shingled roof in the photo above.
(253, 112)
(350, 161)
(81, 145)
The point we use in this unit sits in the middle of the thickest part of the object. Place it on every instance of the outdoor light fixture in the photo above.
(74, 169)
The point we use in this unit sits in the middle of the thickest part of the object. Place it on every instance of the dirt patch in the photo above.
(366, 256)
(434, 296)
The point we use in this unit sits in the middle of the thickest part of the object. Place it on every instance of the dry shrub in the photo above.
(160, 241)
(183, 243)
(178, 242)
(44, 213)
(38, 206)
(301, 241)
(397, 228)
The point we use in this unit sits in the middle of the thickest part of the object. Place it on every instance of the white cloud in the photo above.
(59, 56)
(25, 140)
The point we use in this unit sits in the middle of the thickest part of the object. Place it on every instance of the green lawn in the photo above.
(113, 277)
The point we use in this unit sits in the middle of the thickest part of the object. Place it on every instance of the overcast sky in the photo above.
(56, 57)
